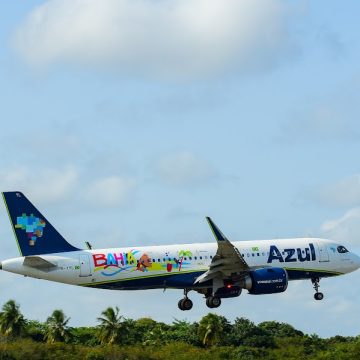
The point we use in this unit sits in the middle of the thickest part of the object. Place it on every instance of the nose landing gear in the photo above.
(318, 295)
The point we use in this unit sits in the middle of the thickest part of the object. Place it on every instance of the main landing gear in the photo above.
(318, 295)
(213, 302)
(185, 303)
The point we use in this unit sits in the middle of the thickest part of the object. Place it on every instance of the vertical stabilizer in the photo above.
(33, 232)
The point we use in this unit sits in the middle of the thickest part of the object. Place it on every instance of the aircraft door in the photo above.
(323, 252)
(85, 269)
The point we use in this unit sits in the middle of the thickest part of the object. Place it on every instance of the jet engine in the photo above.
(266, 281)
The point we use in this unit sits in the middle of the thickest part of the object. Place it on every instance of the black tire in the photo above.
(318, 296)
(187, 304)
(213, 302)
(181, 304)
(216, 302)
(208, 302)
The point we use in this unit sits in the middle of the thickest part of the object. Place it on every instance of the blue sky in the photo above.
(129, 122)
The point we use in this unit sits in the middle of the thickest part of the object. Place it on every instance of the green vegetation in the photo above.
(111, 326)
(125, 339)
(12, 322)
(56, 329)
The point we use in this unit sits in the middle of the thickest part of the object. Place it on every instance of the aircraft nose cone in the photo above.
(357, 261)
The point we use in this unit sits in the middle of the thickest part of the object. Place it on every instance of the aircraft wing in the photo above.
(226, 261)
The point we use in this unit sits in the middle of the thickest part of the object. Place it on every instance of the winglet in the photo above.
(219, 236)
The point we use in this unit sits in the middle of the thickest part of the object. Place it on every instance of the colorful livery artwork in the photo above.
(113, 263)
(32, 225)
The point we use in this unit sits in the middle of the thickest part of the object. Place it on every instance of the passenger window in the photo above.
(195, 257)
(200, 257)
(190, 258)
(253, 254)
(258, 254)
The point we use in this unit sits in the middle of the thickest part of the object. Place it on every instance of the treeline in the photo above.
(116, 337)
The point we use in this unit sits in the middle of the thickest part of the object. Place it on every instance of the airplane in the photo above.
(216, 270)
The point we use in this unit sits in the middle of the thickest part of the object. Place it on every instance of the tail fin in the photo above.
(34, 234)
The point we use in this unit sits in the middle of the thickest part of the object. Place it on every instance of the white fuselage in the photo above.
(178, 266)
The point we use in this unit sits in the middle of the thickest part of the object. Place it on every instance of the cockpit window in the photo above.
(342, 249)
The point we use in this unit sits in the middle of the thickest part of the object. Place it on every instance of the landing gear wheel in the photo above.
(213, 302)
(208, 303)
(185, 304)
(318, 295)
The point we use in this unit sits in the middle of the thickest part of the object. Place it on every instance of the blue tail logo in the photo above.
(32, 225)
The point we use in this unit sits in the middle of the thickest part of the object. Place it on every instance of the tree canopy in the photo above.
(12, 322)
(111, 326)
(118, 338)
(56, 328)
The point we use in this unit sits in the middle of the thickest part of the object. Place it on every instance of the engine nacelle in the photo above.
(266, 281)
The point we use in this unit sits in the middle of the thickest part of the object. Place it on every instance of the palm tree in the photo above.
(56, 327)
(183, 253)
(111, 326)
(12, 322)
(210, 329)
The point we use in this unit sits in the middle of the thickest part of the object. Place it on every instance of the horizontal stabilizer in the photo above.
(38, 262)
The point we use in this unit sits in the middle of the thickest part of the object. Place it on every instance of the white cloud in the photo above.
(345, 229)
(110, 191)
(45, 185)
(183, 169)
(50, 185)
(171, 38)
(345, 192)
